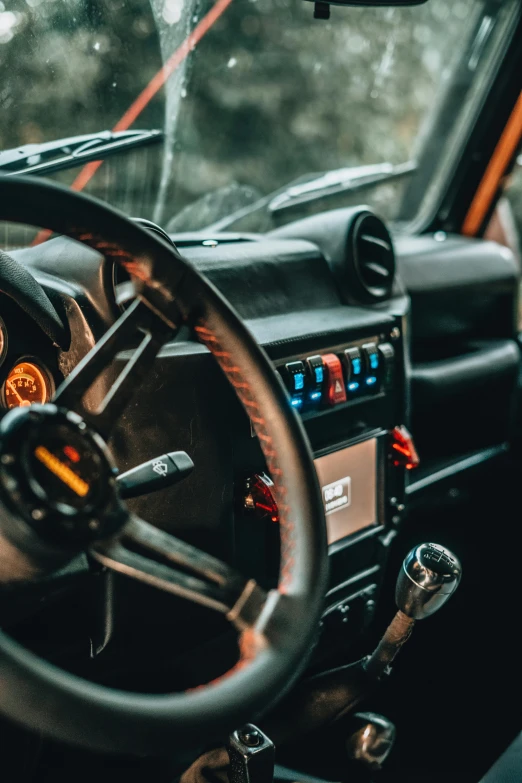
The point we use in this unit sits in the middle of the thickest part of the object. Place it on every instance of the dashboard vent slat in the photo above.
(378, 269)
(376, 241)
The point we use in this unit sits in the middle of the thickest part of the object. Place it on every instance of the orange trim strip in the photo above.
(503, 154)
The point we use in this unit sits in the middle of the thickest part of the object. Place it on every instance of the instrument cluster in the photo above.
(25, 379)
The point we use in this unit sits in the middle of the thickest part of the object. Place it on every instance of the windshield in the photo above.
(254, 95)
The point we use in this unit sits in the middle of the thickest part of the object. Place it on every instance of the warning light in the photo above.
(72, 453)
(404, 453)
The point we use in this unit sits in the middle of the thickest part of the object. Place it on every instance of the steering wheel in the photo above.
(59, 497)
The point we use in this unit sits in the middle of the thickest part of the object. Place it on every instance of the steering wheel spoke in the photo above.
(181, 569)
(138, 318)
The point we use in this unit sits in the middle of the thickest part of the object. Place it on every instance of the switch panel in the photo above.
(351, 373)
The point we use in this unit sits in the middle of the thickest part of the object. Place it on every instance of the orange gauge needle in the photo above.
(13, 388)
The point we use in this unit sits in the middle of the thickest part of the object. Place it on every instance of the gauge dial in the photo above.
(26, 384)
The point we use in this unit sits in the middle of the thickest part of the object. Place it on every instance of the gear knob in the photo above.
(429, 575)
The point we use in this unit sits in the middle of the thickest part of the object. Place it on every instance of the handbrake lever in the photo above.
(157, 473)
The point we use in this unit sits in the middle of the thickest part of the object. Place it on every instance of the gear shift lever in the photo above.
(428, 577)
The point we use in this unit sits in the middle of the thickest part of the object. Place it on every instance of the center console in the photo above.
(352, 400)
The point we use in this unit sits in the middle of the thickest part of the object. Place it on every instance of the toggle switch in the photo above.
(387, 352)
(335, 389)
(354, 370)
(316, 374)
(372, 362)
(295, 380)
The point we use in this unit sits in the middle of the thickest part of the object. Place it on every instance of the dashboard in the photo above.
(373, 338)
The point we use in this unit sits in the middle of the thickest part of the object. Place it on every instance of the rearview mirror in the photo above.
(322, 7)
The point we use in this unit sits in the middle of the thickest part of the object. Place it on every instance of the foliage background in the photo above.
(268, 95)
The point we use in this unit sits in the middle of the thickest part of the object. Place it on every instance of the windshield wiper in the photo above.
(73, 151)
(339, 181)
(323, 185)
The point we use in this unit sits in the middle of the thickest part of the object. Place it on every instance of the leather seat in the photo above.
(508, 768)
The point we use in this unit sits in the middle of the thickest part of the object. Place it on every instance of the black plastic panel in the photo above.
(269, 277)
(464, 402)
(460, 289)
(464, 309)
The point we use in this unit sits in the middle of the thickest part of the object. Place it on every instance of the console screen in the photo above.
(348, 480)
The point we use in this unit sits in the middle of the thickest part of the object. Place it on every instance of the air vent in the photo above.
(373, 259)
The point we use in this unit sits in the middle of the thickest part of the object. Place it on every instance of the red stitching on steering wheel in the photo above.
(245, 394)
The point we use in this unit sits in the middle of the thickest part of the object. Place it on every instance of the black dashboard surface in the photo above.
(452, 313)
(459, 292)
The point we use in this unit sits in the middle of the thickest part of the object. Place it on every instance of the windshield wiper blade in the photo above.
(74, 151)
(314, 187)
(345, 180)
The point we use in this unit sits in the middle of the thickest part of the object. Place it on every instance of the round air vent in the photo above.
(371, 258)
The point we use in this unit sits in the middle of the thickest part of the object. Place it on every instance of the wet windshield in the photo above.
(254, 95)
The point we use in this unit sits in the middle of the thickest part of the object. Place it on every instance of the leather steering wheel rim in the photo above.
(46, 698)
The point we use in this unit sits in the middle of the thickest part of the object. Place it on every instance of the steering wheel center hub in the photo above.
(58, 475)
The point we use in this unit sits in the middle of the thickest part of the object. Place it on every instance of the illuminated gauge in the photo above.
(26, 384)
(3, 341)
(67, 469)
